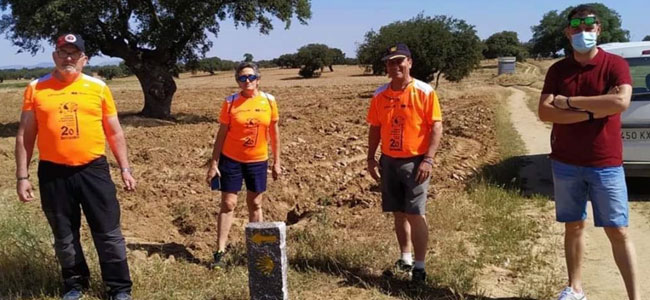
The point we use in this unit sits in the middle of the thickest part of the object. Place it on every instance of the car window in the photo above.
(640, 71)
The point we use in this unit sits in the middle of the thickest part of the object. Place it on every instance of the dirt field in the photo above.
(324, 145)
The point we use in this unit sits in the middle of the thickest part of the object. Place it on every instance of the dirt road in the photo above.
(602, 280)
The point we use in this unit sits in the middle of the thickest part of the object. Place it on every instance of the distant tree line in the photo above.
(108, 72)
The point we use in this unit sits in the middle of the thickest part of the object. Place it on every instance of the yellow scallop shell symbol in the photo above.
(265, 265)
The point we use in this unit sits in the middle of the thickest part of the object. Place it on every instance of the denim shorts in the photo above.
(604, 186)
(233, 172)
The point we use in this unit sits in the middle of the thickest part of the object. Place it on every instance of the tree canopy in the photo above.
(548, 35)
(439, 46)
(288, 61)
(151, 36)
(646, 38)
(313, 57)
(505, 43)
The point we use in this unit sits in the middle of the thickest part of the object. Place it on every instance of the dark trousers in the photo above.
(65, 190)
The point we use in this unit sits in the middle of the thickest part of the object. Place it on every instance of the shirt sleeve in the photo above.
(373, 113)
(108, 104)
(28, 99)
(224, 118)
(434, 113)
(620, 73)
(550, 81)
(274, 111)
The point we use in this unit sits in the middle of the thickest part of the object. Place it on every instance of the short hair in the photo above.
(245, 65)
(582, 9)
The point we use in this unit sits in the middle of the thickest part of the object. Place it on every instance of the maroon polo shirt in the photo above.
(594, 143)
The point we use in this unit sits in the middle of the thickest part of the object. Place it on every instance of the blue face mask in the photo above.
(584, 41)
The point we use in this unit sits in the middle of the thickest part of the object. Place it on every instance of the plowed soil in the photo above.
(324, 145)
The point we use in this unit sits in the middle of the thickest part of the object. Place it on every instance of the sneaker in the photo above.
(121, 296)
(400, 267)
(418, 275)
(569, 294)
(73, 294)
(217, 262)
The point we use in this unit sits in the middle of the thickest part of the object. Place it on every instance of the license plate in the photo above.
(636, 135)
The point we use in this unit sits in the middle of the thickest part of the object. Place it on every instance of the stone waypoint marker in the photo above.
(267, 260)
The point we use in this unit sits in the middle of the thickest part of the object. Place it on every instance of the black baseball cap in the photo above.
(71, 39)
(398, 50)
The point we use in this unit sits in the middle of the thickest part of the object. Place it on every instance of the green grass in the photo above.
(14, 85)
(26, 257)
(507, 234)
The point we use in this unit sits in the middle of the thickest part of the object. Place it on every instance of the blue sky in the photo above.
(343, 23)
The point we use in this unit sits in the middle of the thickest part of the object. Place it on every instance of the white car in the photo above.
(636, 119)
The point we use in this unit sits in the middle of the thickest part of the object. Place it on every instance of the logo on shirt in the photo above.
(67, 119)
(396, 133)
(251, 130)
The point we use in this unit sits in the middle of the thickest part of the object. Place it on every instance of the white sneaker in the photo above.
(569, 294)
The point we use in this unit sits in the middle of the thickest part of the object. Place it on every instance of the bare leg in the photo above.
(226, 216)
(254, 202)
(574, 249)
(403, 232)
(420, 235)
(625, 258)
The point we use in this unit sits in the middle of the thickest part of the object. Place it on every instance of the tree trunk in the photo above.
(158, 87)
(437, 80)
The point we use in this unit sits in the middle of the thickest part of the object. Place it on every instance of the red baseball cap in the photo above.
(71, 39)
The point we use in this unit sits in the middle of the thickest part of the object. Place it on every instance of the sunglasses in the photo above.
(243, 78)
(588, 21)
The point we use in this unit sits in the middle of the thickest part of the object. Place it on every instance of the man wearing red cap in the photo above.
(405, 117)
(70, 116)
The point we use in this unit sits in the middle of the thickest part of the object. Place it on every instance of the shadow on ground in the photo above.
(527, 175)
(371, 279)
(532, 175)
(134, 119)
(165, 251)
(8, 130)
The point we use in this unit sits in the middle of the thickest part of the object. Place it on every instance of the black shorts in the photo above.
(233, 172)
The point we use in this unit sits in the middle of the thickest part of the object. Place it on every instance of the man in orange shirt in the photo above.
(71, 115)
(405, 116)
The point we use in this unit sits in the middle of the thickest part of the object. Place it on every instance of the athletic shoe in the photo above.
(400, 267)
(217, 262)
(73, 294)
(569, 294)
(121, 296)
(419, 275)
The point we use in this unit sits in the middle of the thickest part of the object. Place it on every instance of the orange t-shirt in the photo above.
(248, 121)
(69, 118)
(406, 118)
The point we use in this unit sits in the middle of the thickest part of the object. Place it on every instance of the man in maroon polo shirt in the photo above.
(583, 96)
